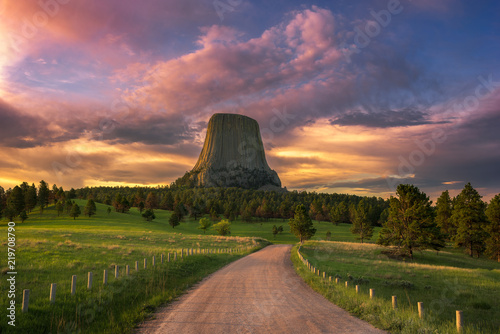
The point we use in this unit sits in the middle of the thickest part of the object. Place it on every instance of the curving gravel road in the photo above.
(260, 293)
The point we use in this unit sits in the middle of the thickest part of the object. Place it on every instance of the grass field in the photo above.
(50, 249)
(444, 282)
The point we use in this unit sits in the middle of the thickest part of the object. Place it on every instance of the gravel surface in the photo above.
(260, 293)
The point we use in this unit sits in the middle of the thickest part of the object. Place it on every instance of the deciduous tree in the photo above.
(205, 224)
(223, 227)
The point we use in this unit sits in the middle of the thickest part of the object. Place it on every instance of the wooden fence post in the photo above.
(394, 302)
(459, 322)
(346, 284)
(154, 261)
(161, 259)
(357, 288)
(89, 280)
(73, 285)
(127, 270)
(420, 310)
(330, 279)
(145, 263)
(26, 300)
(337, 280)
(168, 257)
(117, 271)
(372, 293)
(175, 256)
(105, 277)
(136, 265)
(53, 293)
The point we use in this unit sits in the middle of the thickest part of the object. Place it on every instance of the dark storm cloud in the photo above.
(20, 130)
(151, 130)
(383, 119)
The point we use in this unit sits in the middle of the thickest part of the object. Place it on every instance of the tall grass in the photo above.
(50, 249)
(444, 283)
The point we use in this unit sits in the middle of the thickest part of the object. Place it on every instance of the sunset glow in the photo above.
(120, 92)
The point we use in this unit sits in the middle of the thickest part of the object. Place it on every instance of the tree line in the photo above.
(408, 220)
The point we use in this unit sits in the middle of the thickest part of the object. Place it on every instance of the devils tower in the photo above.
(232, 156)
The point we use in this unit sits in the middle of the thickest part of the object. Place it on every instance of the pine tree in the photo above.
(410, 225)
(361, 225)
(301, 224)
(151, 201)
(23, 215)
(43, 195)
(16, 200)
(30, 199)
(493, 228)
(90, 209)
(339, 214)
(3, 201)
(141, 206)
(149, 215)
(470, 219)
(59, 207)
(75, 211)
(444, 210)
(174, 220)
(167, 202)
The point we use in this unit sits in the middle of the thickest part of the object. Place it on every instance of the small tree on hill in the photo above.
(90, 209)
(493, 228)
(205, 224)
(23, 215)
(223, 227)
(328, 235)
(59, 207)
(361, 225)
(410, 225)
(140, 206)
(275, 231)
(301, 224)
(149, 215)
(75, 211)
(174, 220)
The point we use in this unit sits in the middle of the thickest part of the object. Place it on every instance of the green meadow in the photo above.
(52, 248)
(445, 282)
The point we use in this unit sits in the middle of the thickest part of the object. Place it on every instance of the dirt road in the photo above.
(260, 293)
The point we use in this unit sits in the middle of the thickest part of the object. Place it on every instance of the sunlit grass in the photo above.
(444, 282)
(50, 249)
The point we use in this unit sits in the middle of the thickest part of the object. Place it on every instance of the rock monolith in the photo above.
(233, 156)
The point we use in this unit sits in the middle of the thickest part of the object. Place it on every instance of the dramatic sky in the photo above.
(351, 96)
